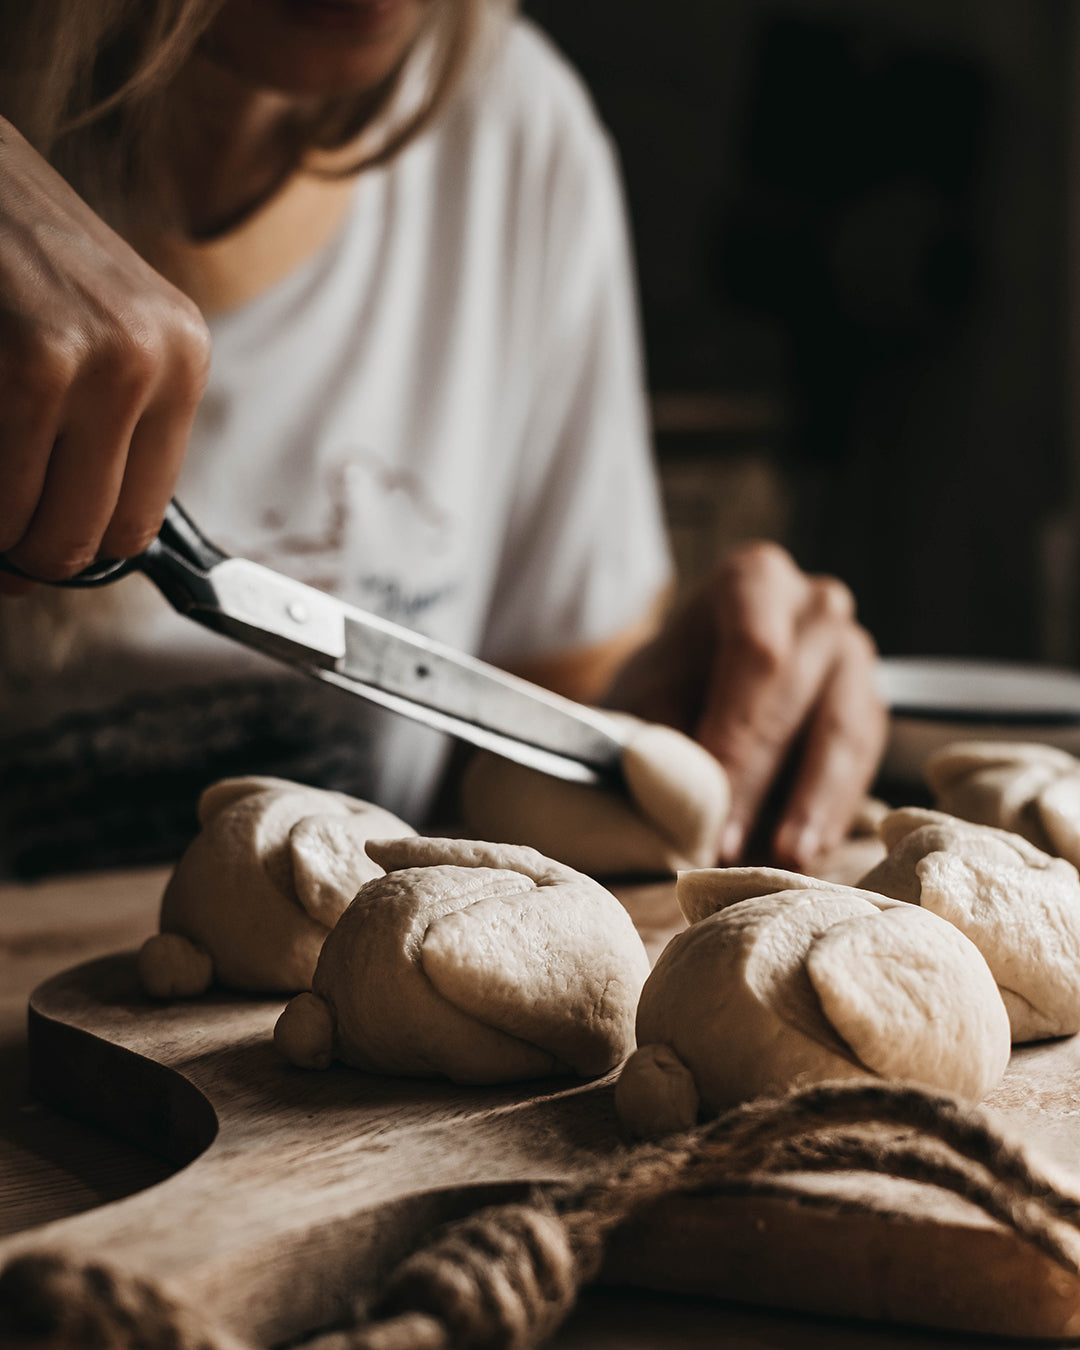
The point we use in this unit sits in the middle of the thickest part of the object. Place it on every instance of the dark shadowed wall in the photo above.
(853, 227)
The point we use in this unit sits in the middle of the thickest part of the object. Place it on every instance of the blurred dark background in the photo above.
(854, 226)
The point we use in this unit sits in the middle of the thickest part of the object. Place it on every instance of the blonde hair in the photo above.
(88, 83)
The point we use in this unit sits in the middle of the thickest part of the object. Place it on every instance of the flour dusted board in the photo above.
(303, 1185)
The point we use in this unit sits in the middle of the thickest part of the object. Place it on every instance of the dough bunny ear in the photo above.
(876, 977)
(330, 863)
(172, 967)
(1058, 806)
(906, 820)
(656, 1093)
(680, 787)
(589, 947)
(304, 1033)
(709, 889)
(219, 795)
(670, 817)
(395, 855)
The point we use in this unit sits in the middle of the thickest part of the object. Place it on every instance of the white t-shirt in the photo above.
(439, 417)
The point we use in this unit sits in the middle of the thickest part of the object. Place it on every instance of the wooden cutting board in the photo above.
(295, 1189)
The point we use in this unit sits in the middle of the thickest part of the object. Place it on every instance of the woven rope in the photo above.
(505, 1278)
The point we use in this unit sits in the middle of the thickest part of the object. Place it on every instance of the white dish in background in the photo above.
(935, 700)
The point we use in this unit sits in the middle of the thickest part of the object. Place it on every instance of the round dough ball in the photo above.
(265, 880)
(481, 963)
(1020, 907)
(677, 804)
(786, 989)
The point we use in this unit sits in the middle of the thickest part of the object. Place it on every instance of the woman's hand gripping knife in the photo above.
(102, 366)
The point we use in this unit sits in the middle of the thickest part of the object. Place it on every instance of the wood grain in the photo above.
(296, 1189)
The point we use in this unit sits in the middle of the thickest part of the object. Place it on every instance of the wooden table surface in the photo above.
(52, 1167)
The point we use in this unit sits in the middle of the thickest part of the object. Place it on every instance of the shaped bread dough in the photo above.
(794, 985)
(1028, 788)
(482, 963)
(1019, 906)
(259, 887)
(678, 803)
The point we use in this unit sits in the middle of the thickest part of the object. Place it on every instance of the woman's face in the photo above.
(315, 47)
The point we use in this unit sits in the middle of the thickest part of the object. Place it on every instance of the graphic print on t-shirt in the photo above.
(399, 546)
(370, 533)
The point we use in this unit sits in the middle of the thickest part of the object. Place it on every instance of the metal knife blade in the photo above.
(407, 673)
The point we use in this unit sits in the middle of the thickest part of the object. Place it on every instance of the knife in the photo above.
(366, 655)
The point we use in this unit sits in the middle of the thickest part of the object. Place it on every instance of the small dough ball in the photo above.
(481, 963)
(678, 802)
(1020, 906)
(1024, 787)
(304, 1033)
(172, 967)
(266, 878)
(656, 1093)
(781, 990)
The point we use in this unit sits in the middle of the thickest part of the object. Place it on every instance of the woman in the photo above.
(397, 226)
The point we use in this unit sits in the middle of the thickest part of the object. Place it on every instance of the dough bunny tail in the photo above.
(656, 1093)
(170, 966)
(304, 1032)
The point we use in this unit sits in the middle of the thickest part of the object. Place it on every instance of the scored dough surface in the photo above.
(802, 984)
(259, 887)
(478, 962)
(1019, 905)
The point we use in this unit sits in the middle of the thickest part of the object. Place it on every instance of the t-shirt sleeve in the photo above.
(585, 551)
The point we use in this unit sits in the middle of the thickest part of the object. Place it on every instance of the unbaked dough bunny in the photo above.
(256, 892)
(1028, 788)
(672, 818)
(783, 981)
(477, 962)
(1019, 905)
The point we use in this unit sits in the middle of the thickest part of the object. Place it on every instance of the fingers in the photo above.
(102, 365)
(82, 481)
(29, 423)
(102, 470)
(841, 750)
(777, 644)
(155, 457)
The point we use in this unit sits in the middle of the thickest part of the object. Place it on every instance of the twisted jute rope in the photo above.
(506, 1277)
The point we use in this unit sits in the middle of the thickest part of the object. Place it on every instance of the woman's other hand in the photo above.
(102, 366)
(766, 665)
